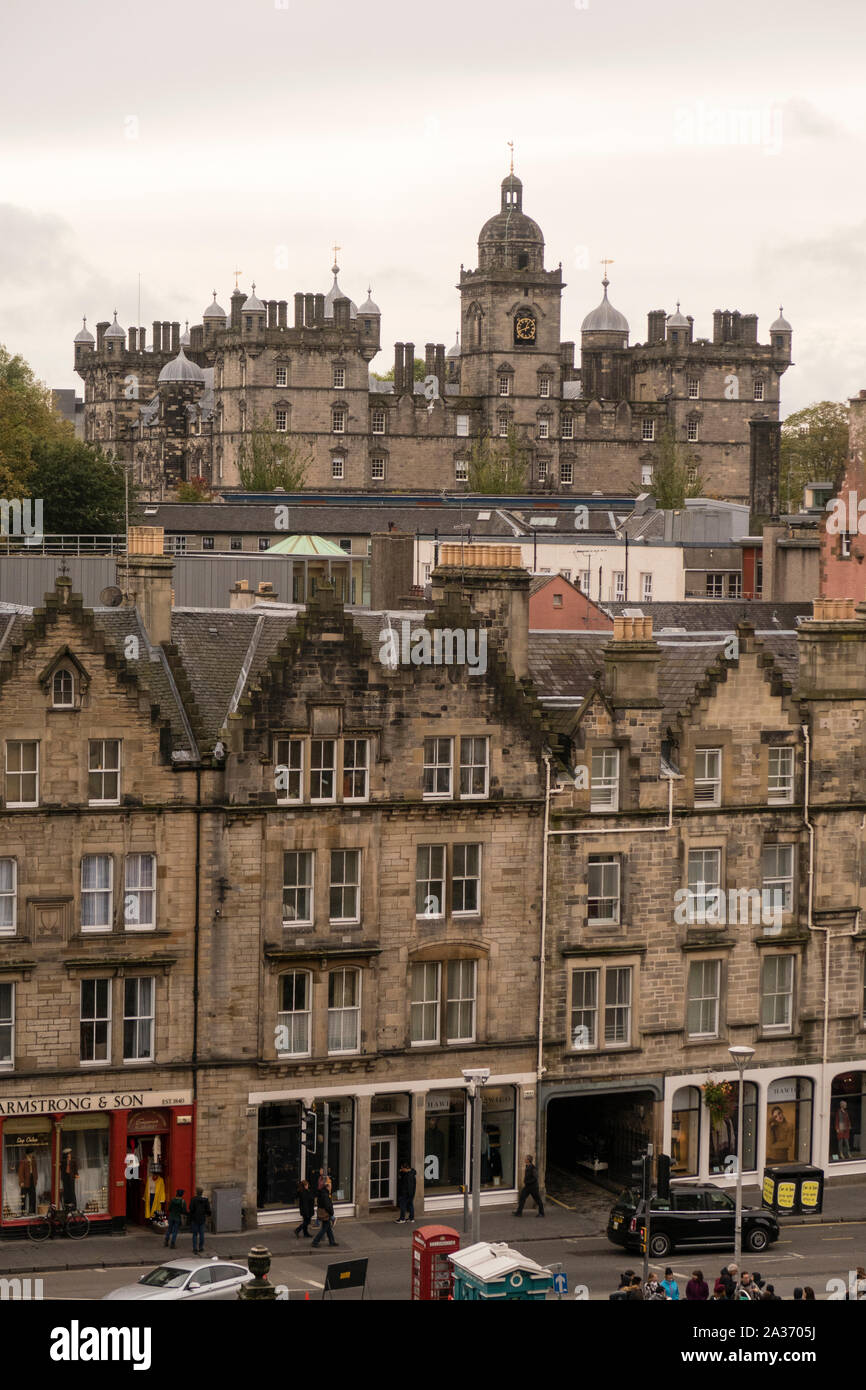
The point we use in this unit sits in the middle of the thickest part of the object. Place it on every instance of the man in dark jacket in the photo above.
(530, 1188)
(306, 1208)
(176, 1213)
(199, 1211)
(325, 1208)
(406, 1182)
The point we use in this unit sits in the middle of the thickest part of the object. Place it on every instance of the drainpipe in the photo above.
(539, 1067)
(629, 829)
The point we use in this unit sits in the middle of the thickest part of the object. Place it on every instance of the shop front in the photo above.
(116, 1156)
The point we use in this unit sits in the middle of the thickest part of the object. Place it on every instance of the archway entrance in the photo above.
(598, 1135)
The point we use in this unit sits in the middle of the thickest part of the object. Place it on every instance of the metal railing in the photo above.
(63, 545)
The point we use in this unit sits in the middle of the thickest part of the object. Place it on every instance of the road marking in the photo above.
(829, 1238)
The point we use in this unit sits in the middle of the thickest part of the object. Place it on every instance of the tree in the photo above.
(672, 483)
(498, 467)
(27, 416)
(814, 448)
(196, 490)
(82, 489)
(268, 458)
(420, 371)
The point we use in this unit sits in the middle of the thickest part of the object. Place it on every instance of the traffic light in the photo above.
(664, 1176)
(309, 1130)
(642, 1175)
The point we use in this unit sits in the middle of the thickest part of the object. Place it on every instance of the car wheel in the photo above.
(758, 1239)
(659, 1246)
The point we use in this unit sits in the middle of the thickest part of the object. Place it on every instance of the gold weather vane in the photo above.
(606, 261)
(236, 273)
(337, 249)
(511, 147)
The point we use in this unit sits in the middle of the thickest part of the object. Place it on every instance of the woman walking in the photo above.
(306, 1208)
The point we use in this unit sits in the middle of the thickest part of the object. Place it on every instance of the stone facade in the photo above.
(183, 407)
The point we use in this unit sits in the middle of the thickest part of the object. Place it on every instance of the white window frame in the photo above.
(693, 431)
(693, 388)
(20, 744)
(281, 421)
(337, 468)
(296, 1021)
(568, 426)
(543, 433)
(780, 775)
(461, 991)
(463, 851)
(283, 748)
(63, 673)
(697, 902)
(338, 419)
(377, 469)
(607, 871)
(321, 770)
(502, 423)
(95, 1019)
(598, 1011)
(708, 783)
(357, 770)
(648, 431)
(7, 1028)
(435, 762)
(619, 1006)
(646, 587)
(604, 780)
(619, 586)
(137, 895)
(461, 470)
(345, 884)
(103, 770)
(377, 420)
(583, 1035)
(566, 471)
(777, 1029)
(544, 388)
(10, 896)
(429, 860)
(646, 475)
(461, 426)
(300, 886)
(346, 1011)
(339, 380)
(504, 384)
(140, 1017)
(759, 390)
(715, 581)
(90, 895)
(425, 990)
(281, 377)
(471, 764)
(780, 877)
(704, 992)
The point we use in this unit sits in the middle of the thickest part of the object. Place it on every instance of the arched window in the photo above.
(293, 1019)
(62, 689)
(685, 1131)
(789, 1120)
(847, 1110)
(723, 1132)
(344, 1010)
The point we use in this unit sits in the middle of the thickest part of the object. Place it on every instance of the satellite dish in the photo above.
(112, 597)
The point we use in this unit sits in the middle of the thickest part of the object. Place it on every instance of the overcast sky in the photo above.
(714, 152)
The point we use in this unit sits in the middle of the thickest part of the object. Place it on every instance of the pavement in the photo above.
(579, 1212)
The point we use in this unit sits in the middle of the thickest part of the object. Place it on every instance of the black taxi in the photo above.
(696, 1216)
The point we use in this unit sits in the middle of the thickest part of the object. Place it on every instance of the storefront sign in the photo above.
(104, 1100)
(440, 1101)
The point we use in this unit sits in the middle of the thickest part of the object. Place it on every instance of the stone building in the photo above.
(185, 406)
(270, 861)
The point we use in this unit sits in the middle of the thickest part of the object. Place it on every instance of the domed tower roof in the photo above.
(511, 228)
(180, 368)
(214, 311)
(455, 350)
(605, 318)
(368, 307)
(336, 293)
(84, 335)
(115, 331)
(781, 325)
(252, 304)
(184, 337)
(677, 320)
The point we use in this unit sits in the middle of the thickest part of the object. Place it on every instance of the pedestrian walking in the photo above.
(406, 1182)
(176, 1212)
(306, 1208)
(670, 1285)
(697, 1289)
(530, 1188)
(325, 1213)
(199, 1211)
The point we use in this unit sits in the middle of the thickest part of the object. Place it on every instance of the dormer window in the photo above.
(63, 690)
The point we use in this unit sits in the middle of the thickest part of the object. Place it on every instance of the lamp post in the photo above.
(476, 1078)
(741, 1056)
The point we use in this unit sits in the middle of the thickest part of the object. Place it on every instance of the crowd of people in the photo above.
(731, 1286)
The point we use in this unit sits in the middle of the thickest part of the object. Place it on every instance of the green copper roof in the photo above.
(307, 545)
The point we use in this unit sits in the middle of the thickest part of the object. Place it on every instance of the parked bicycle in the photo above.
(65, 1221)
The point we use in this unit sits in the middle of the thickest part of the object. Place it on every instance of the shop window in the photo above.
(27, 1170)
(103, 777)
(703, 1002)
(356, 757)
(97, 891)
(708, 776)
(95, 1024)
(138, 1018)
(777, 994)
(445, 1142)
(789, 1120)
(424, 1003)
(139, 897)
(8, 896)
(22, 772)
(344, 1011)
(686, 1131)
(437, 766)
(279, 1149)
(723, 1132)
(7, 1026)
(345, 886)
(298, 887)
(474, 757)
(847, 1112)
(62, 689)
(604, 784)
(293, 1019)
(84, 1163)
(498, 1113)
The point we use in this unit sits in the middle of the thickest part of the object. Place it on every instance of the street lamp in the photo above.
(741, 1056)
(475, 1078)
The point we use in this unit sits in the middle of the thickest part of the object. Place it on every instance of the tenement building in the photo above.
(288, 866)
(186, 405)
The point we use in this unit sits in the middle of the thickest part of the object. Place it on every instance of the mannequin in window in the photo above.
(27, 1182)
(68, 1174)
(842, 1125)
(778, 1137)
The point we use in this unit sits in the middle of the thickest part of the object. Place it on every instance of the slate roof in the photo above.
(716, 615)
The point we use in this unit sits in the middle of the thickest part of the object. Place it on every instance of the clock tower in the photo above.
(510, 315)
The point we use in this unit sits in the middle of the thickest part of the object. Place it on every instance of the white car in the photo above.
(187, 1279)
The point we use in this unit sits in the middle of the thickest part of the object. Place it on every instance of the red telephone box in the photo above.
(431, 1269)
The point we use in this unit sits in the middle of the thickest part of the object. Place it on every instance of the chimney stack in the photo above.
(309, 310)
(141, 337)
(133, 332)
(398, 369)
(175, 338)
(145, 576)
(392, 558)
(409, 368)
(494, 581)
(631, 663)
(241, 596)
(319, 309)
(282, 313)
(157, 336)
(765, 441)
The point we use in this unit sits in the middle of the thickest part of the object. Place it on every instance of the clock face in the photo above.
(524, 329)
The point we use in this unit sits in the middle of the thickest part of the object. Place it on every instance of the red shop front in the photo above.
(118, 1156)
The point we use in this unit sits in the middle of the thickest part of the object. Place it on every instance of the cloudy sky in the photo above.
(714, 152)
